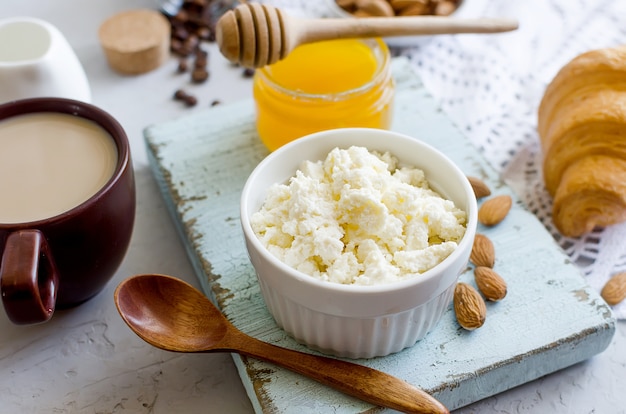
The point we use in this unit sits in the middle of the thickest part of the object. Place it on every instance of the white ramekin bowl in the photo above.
(348, 320)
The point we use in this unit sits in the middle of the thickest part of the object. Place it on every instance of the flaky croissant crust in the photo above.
(591, 71)
(582, 126)
(592, 193)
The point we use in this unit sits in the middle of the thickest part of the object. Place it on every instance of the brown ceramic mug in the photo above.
(67, 204)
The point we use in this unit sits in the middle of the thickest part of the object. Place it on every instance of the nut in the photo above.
(614, 291)
(445, 8)
(483, 252)
(469, 307)
(375, 8)
(399, 5)
(416, 9)
(480, 188)
(490, 283)
(370, 8)
(494, 210)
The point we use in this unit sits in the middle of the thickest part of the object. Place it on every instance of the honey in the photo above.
(324, 85)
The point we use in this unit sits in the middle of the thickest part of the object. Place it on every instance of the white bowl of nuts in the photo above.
(358, 237)
(391, 8)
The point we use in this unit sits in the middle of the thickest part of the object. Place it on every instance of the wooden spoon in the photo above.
(171, 314)
(255, 35)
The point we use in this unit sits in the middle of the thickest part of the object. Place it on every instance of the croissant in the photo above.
(582, 127)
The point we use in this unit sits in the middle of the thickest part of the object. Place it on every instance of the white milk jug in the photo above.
(36, 60)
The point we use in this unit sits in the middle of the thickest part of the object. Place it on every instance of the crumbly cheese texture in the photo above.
(359, 218)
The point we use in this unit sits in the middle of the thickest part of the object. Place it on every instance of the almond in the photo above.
(483, 253)
(416, 9)
(490, 283)
(614, 291)
(480, 188)
(375, 7)
(399, 5)
(445, 8)
(469, 307)
(494, 210)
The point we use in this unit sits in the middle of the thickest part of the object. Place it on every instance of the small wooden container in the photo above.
(135, 41)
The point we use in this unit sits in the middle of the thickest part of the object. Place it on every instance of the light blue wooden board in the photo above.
(550, 319)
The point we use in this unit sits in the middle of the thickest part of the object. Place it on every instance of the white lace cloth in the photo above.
(491, 86)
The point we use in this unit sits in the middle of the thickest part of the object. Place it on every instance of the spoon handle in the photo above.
(314, 30)
(359, 381)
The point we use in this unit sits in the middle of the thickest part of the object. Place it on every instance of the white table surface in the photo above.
(86, 360)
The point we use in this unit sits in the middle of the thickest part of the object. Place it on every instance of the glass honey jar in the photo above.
(324, 85)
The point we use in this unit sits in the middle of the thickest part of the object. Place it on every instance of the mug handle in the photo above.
(28, 278)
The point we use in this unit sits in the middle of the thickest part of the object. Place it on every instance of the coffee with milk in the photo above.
(51, 163)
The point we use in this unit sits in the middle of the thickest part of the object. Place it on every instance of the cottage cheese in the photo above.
(357, 217)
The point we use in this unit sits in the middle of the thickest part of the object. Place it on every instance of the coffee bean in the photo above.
(182, 16)
(192, 42)
(180, 95)
(183, 66)
(199, 75)
(200, 62)
(180, 33)
(190, 100)
(175, 44)
(197, 18)
(193, 24)
(183, 51)
(204, 33)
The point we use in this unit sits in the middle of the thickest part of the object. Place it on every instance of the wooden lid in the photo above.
(135, 41)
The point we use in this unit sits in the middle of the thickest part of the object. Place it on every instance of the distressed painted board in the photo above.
(550, 319)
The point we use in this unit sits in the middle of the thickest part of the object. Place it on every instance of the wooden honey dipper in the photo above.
(255, 35)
